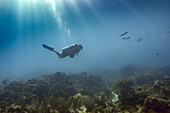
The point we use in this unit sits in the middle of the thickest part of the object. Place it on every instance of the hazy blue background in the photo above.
(96, 24)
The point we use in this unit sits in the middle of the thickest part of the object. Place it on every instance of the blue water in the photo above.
(96, 24)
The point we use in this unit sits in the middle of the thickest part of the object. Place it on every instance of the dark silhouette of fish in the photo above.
(139, 39)
(124, 38)
(124, 33)
(128, 38)
(157, 53)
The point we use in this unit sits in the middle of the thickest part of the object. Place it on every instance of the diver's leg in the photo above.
(64, 54)
(59, 54)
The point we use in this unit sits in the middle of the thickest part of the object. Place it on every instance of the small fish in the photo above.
(128, 38)
(124, 33)
(124, 38)
(157, 53)
(139, 39)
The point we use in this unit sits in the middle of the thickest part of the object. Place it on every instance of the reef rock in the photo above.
(156, 105)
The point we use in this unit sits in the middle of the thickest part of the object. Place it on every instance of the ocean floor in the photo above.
(127, 90)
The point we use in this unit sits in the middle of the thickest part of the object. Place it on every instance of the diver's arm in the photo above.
(72, 55)
(77, 52)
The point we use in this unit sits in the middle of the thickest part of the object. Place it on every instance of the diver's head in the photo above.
(80, 46)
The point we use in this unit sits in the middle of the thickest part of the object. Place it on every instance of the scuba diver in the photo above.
(71, 50)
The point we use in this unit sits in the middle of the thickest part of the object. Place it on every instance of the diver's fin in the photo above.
(48, 47)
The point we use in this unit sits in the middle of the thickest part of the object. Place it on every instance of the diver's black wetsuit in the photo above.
(71, 50)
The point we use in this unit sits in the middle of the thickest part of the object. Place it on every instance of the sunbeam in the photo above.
(54, 6)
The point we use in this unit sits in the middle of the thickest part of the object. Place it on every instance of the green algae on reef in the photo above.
(82, 93)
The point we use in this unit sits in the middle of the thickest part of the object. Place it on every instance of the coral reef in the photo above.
(5, 81)
(148, 77)
(124, 89)
(155, 105)
(147, 92)
(77, 104)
